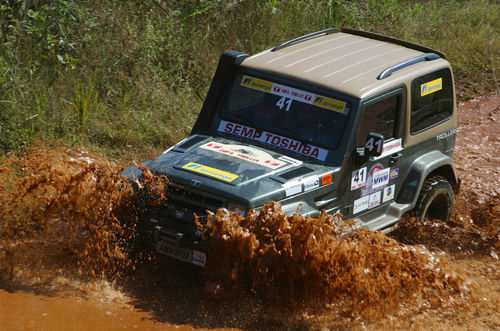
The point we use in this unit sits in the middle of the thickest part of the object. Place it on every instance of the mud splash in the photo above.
(61, 204)
(72, 202)
(295, 258)
(478, 233)
(64, 210)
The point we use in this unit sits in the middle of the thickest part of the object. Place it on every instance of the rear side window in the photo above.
(431, 100)
(380, 117)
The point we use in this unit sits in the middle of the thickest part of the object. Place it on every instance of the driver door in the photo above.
(375, 181)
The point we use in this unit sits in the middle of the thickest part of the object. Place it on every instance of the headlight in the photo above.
(237, 207)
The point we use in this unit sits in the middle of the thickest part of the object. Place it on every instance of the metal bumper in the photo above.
(176, 245)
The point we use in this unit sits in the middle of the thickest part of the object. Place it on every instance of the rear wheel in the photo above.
(435, 200)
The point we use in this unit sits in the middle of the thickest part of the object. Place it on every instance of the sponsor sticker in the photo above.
(391, 147)
(310, 183)
(306, 184)
(358, 179)
(245, 153)
(326, 179)
(394, 173)
(209, 171)
(329, 103)
(374, 199)
(389, 192)
(361, 204)
(375, 168)
(256, 84)
(293, 93)
(290, 160)
(273, 139)
(431, 87)
(292, 188)
(368, 189)
(380, 178)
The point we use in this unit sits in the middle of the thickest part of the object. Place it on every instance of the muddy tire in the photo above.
(435, 200)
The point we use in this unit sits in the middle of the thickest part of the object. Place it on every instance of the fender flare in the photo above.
(432, 163)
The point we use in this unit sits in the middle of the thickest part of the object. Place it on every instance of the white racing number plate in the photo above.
(184, 254)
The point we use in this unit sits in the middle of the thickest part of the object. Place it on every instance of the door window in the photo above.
(380, 117)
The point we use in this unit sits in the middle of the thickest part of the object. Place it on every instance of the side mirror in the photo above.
(374, 144)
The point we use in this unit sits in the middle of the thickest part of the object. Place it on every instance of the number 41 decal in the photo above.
(358, 179)
(374, 144)
(377, 144)
(282, 102)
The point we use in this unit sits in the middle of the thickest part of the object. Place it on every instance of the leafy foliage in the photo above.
(127, 78)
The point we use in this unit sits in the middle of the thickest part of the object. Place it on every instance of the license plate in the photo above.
(183, 254)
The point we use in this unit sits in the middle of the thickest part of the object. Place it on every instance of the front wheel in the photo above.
(435, 200)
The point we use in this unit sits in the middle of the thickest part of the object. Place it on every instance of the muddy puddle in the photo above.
(67, 258)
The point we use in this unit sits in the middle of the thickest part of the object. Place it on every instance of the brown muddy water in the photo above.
(67, 260)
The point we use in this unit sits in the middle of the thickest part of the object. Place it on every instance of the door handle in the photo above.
(394, 158)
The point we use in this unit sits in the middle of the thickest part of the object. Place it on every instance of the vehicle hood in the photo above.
(232, 169)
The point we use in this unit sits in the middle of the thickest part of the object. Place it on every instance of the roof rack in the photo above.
(304, 37)
(404, 43)
(421, 58)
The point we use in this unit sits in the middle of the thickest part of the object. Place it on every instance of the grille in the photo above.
(195, 200)
(177, 212)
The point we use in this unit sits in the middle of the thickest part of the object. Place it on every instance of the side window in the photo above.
(431, 100)
(380, 117)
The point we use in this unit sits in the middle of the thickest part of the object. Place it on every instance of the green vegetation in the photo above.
(127, 78)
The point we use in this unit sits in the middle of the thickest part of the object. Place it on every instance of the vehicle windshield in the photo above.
(298, 114)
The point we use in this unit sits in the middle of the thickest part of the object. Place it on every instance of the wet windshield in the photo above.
(298, 114)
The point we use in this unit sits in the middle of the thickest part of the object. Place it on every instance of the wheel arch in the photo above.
(434, 163)
(447, 171)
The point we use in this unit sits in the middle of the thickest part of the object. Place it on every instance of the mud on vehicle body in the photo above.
(346, 121)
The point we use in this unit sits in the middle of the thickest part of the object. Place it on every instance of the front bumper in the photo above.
(175, 244)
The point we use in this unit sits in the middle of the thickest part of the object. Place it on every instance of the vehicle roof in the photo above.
(343, 62)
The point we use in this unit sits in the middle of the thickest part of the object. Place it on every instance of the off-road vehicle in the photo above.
(346, 121)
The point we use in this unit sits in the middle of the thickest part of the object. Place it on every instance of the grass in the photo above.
(127, 78)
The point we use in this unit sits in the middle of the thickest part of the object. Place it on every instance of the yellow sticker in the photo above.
(257, 84)
(328, 103)
(431, 87)
(212, 172)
